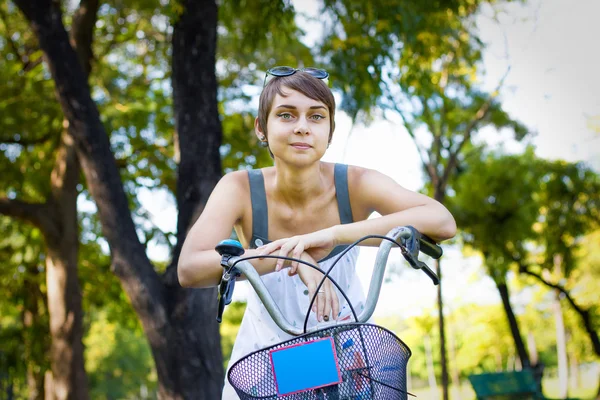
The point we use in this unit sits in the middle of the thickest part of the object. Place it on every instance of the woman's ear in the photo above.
(260, 134)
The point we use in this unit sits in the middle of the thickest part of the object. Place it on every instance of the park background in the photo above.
(489, 106)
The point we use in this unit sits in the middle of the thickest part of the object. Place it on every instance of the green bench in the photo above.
(517, 385)
(506, 385)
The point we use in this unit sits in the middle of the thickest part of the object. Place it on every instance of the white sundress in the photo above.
(258, 330)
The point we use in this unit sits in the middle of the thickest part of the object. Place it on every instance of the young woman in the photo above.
(300, 207)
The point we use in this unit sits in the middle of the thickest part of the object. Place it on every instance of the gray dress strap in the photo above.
(341, 192)
(260, 212)
(260, 215)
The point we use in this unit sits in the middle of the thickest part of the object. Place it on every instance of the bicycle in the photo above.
(343, 361)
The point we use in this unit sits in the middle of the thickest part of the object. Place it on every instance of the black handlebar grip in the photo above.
(429, 247)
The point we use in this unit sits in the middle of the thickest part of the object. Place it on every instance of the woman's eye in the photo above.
(317, 117)
(285, 115)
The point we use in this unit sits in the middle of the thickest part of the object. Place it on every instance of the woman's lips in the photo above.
(302, 146)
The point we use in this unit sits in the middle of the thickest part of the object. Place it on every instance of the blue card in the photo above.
(305, 366)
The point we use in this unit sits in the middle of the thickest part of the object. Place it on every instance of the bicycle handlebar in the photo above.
(411, 243)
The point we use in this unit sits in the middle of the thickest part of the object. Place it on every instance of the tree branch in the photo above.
(435, 155)
(479, 115)
(23, 58)
(82, 32)
(584, 314)
(35, 213)
(425, 162)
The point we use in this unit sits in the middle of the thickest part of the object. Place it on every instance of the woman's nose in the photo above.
(301, 126)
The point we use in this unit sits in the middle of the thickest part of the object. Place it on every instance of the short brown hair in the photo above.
(302, 82)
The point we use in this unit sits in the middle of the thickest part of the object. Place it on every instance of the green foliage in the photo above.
(31, 119)
(481, 339)
(241, 148)
(493, 206)
(569, 198)
(253, 37)
(419, 61)
(23, 313)
(413, 44)
(118, 358)
(518, 210)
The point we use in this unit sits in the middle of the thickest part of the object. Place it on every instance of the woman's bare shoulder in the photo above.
(357, 174)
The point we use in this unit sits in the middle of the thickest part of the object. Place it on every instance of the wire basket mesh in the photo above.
(372, 362)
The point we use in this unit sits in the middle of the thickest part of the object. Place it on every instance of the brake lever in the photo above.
(227, 249)
(225, 294)
(220, 302)
(411, 254)
(432, 275)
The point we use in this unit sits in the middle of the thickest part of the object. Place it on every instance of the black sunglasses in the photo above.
(287, 71)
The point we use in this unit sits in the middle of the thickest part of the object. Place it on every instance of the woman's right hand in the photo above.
(326, 305)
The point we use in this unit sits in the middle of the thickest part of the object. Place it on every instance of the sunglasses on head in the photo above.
(287, 71)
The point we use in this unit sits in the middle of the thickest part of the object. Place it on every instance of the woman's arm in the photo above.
(199, 263)
(371, 191)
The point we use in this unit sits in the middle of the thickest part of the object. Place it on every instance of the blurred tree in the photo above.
(419, 62)
(484, 341)
(23, 312)
(569, 200)
(493, 206)
(424, 324)
(118, 359)
(509, 204)
(54, 209)
(183, 347)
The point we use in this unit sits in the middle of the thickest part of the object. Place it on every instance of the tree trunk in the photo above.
(60, 230)
(514, 326)
(454, 366)
(178, 323)
(561, 340)
(439, 194)
(57, 220)
(35, 331)
(532, 349)
(585, 314)
(429, 361)
(443, 356)
(66, 329)
(69, 379)
(561, 349)
(574, 376)
(199, 134)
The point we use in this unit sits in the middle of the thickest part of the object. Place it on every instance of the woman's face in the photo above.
(298, 128)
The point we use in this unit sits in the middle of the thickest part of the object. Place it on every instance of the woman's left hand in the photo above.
(317, 244)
